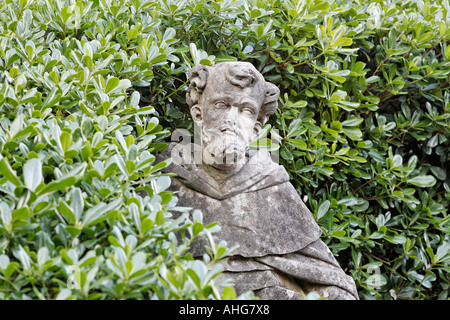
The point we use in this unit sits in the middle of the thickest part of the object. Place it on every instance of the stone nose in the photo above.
(232, 116)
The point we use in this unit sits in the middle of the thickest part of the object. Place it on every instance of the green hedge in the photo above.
(77, 152)
(91, 90)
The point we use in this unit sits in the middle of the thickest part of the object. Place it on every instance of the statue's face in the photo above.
(229, 120)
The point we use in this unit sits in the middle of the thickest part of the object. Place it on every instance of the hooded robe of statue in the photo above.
(280, 254)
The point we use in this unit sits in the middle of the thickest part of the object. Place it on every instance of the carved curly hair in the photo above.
(241, 74)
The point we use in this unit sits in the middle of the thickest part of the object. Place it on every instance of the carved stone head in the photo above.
(230, 102)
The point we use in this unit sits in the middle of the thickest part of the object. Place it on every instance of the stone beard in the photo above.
(226, 145)
(280, 254)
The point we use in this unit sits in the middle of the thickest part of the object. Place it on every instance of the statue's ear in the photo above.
(257, 129)
(260, 122)
(196, 113)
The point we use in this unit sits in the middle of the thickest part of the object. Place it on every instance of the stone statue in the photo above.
(280, 254)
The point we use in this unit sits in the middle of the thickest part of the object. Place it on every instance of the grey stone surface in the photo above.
(280, 254)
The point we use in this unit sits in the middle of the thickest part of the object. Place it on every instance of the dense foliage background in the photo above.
(90, 91)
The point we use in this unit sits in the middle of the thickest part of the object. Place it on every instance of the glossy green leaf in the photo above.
(424, 181)
(32, 171)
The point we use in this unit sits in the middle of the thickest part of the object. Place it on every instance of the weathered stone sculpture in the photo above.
(280, 254)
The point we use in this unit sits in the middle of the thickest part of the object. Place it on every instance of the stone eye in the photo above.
(247, 111)
(221, 105)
